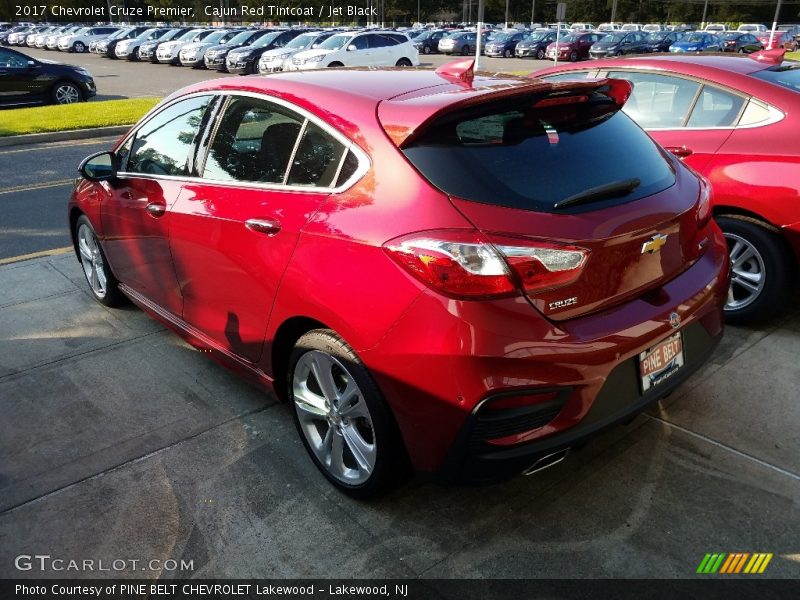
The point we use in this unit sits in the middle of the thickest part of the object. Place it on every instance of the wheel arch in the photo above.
(735, 212)
(286, 336)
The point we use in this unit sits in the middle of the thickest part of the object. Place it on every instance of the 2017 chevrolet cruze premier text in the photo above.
(429, 266)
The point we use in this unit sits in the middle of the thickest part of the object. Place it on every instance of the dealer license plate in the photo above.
(661, 362)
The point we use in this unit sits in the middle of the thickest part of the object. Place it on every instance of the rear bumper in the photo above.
(440, 363)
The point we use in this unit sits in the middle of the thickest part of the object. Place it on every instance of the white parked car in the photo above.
(632, 27)
(752, 28)
(652, 28)
(581, 27)
(360, 49)
(191, 55)
(279, 59)
(608, 27)
(80, 40)
(716, 28)
(169, 52)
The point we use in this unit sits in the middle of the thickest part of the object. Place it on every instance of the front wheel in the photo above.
(465, 51)
(66, 92)
(403, 62)
(427, 49)
(761, 270)
(508, 53)
(343, 421)
(573, 56)
(79, 47)
(540, 54)
(101, 280)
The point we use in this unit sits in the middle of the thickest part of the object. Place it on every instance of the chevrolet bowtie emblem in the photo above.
(654, 244)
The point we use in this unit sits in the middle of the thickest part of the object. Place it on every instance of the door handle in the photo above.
(679, 151)
(155, 210)
(267, 226)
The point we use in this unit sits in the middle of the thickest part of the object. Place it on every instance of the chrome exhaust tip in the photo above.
(546, 462)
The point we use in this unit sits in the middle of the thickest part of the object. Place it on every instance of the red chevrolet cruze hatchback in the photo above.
(429, 267)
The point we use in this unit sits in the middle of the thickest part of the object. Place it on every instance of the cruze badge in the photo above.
(654, 244)
(563, 303)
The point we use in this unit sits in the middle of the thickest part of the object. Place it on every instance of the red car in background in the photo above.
(426, 265)
(780, 39)
(734, 119)
(573, 47)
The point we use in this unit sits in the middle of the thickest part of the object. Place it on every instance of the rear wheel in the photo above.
(508, 53)
(403, 62)
(761, 270)
(426, 49)
(102, 283)
(540, 54)
(343, 421)
(465, 51)
(573, 56)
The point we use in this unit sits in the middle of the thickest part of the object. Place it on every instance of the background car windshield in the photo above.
(189, 35)
(502, 37)
(241, 38)
(82, 30)
(265, 40)
(215, 37)
(612, 37)
(786, 75)
(301, 41)
(695, 38)
(568, 39)
(657, 36)
(731, 36)
(334, 42)
(535, 37)
(518, 156)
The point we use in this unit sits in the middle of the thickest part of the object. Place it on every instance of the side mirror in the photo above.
(32, 64)
(99, 167)
(351, 48)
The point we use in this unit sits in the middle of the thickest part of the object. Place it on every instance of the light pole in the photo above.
(418, 21)
(533, 9)
(774, 23)
(506, 25)
(705, 12)
(478, 37)
(614, 11)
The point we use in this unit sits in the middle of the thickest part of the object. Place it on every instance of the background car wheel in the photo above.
(508, 53)
(101, 280)
(66, 92)
(403, 62)
(343, 421)
(573, 56)
(79, 47)
(540, 54)
(427, 50)
(761, 270)
(336, 64)
(465, 50)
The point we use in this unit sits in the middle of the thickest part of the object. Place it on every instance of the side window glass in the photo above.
(360, 42)
(658, 101)
(349, 167)
(755, 113)
(716, 108)
(317, 160)
(11, 60)
(376, 41)
(254, 142)
(163, 144)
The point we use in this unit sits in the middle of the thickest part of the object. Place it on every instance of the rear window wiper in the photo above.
(601, 192)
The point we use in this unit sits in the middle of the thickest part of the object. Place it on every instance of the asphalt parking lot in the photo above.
(118, 441)
(125, 79)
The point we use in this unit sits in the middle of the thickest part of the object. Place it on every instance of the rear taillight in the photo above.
(465, 264)
(704, 202)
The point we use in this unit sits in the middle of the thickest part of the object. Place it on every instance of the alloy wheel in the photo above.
(748, 273)
(334, 417)
(92, 261)
(66, 93)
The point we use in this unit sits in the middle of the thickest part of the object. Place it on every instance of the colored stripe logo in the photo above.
(736, 562)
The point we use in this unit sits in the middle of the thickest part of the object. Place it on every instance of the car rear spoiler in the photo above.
(772, 57)
(404, 118)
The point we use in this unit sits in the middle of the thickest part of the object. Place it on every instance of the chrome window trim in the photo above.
(364, 162)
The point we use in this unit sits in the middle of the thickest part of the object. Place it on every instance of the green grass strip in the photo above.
(81, 115)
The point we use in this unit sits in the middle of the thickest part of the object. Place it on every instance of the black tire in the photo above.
(772, 255)
(508, 53)
(465, 51)
(79, 47)
(403, 62)
(66, 92)
(112, 296)
(427, 49)
(573, 56)
(389, 466)
(540, 54)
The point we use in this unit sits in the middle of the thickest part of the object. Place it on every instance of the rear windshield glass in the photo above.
(786, 75)
(511, 154)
